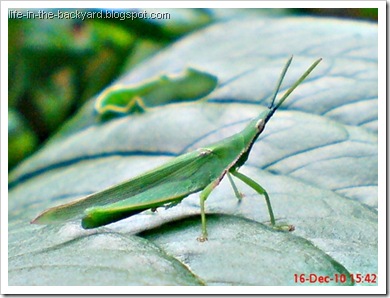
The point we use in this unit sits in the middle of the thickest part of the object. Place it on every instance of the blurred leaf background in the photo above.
(55, 66)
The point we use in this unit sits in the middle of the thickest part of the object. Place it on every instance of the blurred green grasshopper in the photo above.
(167, 185)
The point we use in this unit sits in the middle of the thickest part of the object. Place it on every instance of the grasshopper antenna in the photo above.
(281, 78)
(273, 107)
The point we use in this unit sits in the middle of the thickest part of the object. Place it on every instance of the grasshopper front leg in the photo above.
(203, 197)
(236, 192)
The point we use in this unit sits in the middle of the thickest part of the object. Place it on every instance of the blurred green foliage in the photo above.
(355, 13)
(21, 140)
(56, 65)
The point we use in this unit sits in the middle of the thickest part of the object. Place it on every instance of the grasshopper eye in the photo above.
(260, 125)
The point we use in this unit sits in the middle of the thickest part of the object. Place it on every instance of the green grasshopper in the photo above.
(189, 85)
(199, 170)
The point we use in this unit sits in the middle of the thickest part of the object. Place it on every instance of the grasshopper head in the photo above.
(263, 119)
(265, 116)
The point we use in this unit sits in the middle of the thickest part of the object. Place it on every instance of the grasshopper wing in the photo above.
(183, 175)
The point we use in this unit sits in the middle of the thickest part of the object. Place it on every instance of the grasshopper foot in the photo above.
(285, 228)
(202, 238)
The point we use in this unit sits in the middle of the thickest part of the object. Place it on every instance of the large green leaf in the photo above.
(317, 158)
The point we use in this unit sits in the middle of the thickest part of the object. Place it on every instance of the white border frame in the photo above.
(382, 278)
